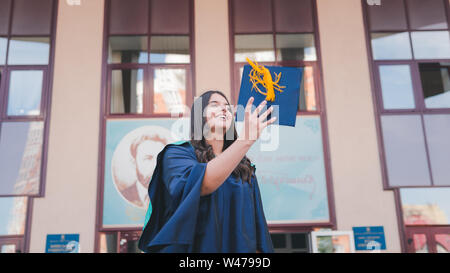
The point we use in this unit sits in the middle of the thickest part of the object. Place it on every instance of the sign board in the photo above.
(62, 243)
(369, 238)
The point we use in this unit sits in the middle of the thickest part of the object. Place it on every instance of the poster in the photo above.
(289, 166)
(132, 146)
(291, 172)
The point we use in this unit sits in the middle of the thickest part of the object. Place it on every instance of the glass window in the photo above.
(426, 206)
(3, 45)
(258, 47)
(390, 15)
(108, 242)
(295, 47)
(169, 49)
(29, 50)
(128, 17)
(169, 16)
(299, 240)
(307, 91)
(396, 87)
(13, 212)
(5, 6)
(127, 91)
(442, 243)
(9, 248)
(252, 16)
(394, 46)
(420, 243)
(404, 145)
(438, 140)
(20, 157)
(25, 92)
(128, 49)
(431, 44)
(32, 17)
(293, 16)
(435, 78)
(279, 240)
(428, 14)
(169, 86)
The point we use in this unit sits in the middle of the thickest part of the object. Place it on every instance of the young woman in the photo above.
(204, 193)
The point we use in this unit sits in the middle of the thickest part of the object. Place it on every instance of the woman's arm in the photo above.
(219, 168)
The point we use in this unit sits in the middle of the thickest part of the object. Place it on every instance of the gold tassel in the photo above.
(261, 75)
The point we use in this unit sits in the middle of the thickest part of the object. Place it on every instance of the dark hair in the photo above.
(203, 150)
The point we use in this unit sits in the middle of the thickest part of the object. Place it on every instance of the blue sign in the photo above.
(63, 243)
(369, 238)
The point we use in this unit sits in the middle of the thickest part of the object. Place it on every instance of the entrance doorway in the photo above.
(428, 239)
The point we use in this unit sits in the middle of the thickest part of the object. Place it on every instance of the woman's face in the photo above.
(218, 114)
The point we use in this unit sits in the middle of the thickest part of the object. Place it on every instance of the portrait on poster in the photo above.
(132, 147)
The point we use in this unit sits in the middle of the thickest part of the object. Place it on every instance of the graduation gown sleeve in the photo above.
(263, 239)
(174, 192)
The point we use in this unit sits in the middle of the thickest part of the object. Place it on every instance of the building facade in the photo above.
(87, 88)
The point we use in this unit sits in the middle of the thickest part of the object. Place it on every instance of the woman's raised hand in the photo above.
(254, 125)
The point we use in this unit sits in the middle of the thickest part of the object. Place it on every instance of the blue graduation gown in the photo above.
(231, 219)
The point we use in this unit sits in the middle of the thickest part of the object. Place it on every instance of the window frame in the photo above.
(319, 99)
(148, 66)
(47, 86)
(419, 108)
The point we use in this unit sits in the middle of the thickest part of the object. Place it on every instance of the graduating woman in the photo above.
(204, 193)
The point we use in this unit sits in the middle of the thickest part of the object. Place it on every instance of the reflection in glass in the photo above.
(394, 46)
(428, 14)
(295, 47)
(127, 91)
(404, 147)
(426, 206)
(390, 15)
(108, 242)
(442, 243)
(169, 90)
(3, 45)
(431, 44)
(258, 47)
(169, 49)
(20, 157)
(435, 79)
(25, 91)
(13, 212)
(10, 248)
(279, 240)
(132, 246)
(420, 243)
(307, 91)
(29, 50)
(437, 128)
(127, 49)
(396, 87)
